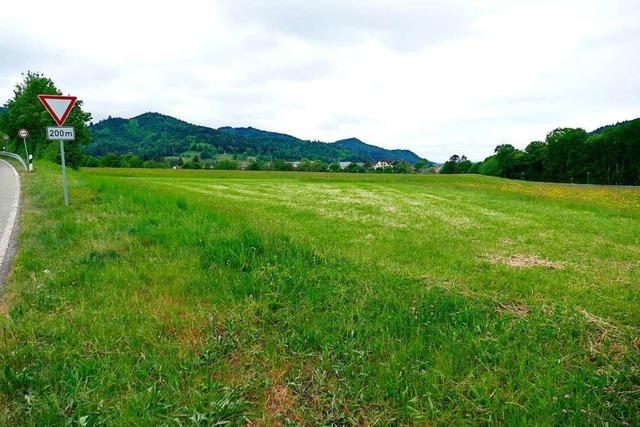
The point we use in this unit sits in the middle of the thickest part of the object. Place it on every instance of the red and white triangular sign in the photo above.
(58, 106)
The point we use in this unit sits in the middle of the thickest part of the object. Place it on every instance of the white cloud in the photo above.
(437, 77)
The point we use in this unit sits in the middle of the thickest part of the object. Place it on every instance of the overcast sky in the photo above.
(437, 77)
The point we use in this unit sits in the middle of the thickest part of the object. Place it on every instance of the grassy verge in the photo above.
(186, 297)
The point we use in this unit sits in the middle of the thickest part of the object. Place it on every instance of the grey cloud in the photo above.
(336, 124)
(18, 54)
(401, 25)
(294, 71)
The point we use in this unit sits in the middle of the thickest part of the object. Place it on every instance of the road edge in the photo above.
(8, 244)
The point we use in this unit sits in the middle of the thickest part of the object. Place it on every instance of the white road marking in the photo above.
(5, 237)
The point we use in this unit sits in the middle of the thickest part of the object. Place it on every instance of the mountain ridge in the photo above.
(251, 132)
(154, 134)
(378, 152)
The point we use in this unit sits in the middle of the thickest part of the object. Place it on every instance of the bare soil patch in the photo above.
(525, 261)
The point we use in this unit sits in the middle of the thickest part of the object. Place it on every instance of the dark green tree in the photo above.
(206, 154)
(335, 167)
(451, 166)
(355, 168)
(474, 168)
(534, 160)
(227, 164)
(565, 150)
(257, 165)
(281, 165)
(24, 110)
(192, 165)
(464, 165)
(490, 166)
(111, 160)
(402, 167)
(510, 161)
(421, 166)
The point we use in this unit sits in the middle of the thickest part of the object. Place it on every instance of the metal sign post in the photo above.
(62, 134)
(59, 107)
(65, 190)
(23, 133)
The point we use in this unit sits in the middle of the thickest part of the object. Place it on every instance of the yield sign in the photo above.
(58, 106)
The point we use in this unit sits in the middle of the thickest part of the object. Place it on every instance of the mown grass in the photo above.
(192, 297)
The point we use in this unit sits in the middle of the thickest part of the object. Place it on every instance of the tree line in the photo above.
(239, 162)
(609, 155)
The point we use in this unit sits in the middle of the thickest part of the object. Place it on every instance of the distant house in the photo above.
(382, 164)
(344, 165)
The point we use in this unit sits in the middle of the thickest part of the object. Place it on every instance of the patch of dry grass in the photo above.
(525, 261)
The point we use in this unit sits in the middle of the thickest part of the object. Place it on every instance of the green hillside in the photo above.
(151, 135)
(287, 147)
(251, 132)
(376, 153)
(623, 124)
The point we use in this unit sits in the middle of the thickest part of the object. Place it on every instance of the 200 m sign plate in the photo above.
(61, 134)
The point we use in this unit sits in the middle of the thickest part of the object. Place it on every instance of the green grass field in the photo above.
(200, 297)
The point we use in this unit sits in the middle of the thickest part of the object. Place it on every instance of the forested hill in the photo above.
(287, 147)
(151, 135)
(2, 110)
(257, 133)
(371, 151)
(608, 155)
(623, 124)
(355, 149)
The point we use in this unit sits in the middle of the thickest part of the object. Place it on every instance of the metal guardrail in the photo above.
(16, 157)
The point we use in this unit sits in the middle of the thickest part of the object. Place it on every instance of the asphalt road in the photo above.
(9, 203)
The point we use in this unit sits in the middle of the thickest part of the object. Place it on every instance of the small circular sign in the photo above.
(23, 133)
(5, 137)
